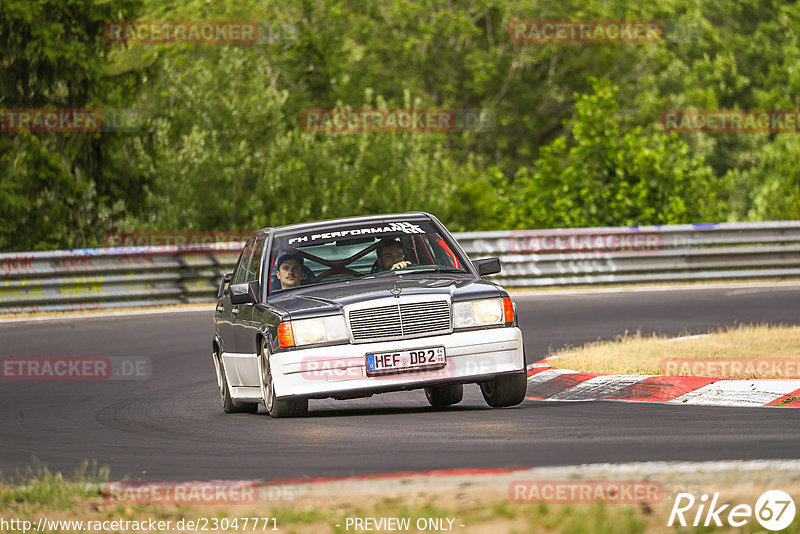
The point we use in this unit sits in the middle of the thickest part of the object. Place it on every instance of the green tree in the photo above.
(240, 161)
(57, 189)
(223, 147)
(770, 189)
(602, 177)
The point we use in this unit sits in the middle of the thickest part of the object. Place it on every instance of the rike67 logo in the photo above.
(774, 510)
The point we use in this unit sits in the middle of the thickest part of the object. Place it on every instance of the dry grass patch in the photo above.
(743, 352)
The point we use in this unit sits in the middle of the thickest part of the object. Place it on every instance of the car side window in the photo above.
(255, 262)
(244, 262)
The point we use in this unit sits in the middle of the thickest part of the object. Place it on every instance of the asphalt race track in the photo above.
(171, 427)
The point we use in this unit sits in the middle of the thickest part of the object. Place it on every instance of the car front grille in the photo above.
(402, 320)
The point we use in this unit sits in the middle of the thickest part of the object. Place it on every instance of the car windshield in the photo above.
(370, 248)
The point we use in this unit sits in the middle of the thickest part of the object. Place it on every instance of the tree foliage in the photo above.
(58, 189)
(600, 176)
(575, 141)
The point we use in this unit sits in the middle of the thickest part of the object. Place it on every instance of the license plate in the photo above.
(399, 361)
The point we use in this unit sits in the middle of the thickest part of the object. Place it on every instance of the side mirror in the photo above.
(226, 278)
(245, 293)
(240, 293)
(487, 265)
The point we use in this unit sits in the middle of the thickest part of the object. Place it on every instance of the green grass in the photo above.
(38, 488)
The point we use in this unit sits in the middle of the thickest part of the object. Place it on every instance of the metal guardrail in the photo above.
(148, 276)
(85, 279)
(684, 252)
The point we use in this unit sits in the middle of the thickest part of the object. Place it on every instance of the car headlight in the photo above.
(310, 331)
(483, 312)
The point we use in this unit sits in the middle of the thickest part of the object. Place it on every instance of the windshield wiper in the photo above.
(413, 270)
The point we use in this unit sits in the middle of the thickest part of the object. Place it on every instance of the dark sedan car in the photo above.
(352, 307)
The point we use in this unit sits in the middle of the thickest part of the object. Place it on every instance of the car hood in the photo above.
(322, 298)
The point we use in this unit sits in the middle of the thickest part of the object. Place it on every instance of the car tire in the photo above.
(294, 407)
(228, 404)
(505, 390)
(444, 395)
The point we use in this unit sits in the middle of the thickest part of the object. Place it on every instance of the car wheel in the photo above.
(228, 404)
(445, 395)
(505, 390)
(278, 407)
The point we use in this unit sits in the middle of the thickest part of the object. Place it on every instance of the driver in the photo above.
(390, 256)
(290, 271)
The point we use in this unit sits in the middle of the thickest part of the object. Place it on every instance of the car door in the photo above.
(223, 313)
(247, 322)
(233, 336)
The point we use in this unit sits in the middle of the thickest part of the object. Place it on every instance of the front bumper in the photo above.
(328, 371)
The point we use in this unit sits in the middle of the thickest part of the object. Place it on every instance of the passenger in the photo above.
(390, 256)
(290, 271)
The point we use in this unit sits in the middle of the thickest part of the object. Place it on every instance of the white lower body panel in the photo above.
(342, 368)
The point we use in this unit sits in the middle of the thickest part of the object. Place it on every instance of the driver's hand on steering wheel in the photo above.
(401, 265)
